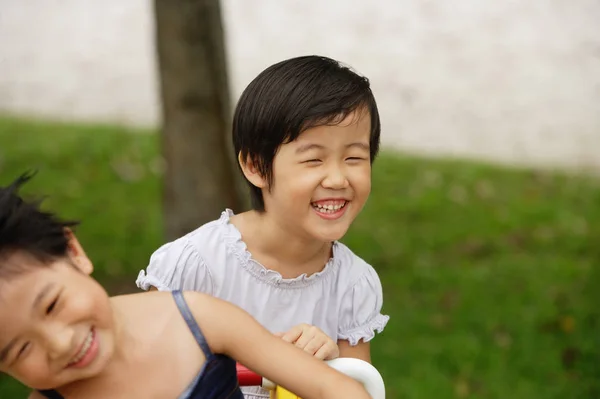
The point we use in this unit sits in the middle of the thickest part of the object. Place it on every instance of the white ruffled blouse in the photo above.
(344, 299)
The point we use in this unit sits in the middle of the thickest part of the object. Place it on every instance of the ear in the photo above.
(251, 172)
(77, 254)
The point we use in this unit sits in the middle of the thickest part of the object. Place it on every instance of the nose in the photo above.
(59, 341)
(335, 178)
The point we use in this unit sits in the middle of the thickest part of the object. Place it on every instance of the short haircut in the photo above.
(26, 229)
(290, 97)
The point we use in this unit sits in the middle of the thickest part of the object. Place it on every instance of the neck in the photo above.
(124, 340)
(288, 253)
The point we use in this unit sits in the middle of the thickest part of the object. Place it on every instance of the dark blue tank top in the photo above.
(218, 377)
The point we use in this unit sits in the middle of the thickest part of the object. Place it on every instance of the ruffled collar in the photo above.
(239, 248)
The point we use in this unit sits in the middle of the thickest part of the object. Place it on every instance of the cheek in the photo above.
(82, 307)
(360, 180)
(34, 371)
(298, 186)
(102, 311)
(90, 304)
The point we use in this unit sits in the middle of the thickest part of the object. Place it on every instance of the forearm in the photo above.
(341, 387)
(360, 351)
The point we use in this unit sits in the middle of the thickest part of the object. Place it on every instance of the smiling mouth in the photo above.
(329, 207)
(85, 348)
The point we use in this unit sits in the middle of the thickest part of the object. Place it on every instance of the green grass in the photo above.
(490, 274)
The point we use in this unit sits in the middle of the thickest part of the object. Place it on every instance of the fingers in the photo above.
(308, 335)
(313, 346)
(328, 351)
(311, 340)
(323, 353)
(322, 347)
(293, 334)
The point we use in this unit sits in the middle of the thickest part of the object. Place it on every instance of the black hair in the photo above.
(26, 229)
(292, 96)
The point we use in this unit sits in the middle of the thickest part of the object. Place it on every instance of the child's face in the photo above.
(56, 323)
(322, 179)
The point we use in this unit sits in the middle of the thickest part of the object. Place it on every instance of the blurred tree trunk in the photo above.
(201, 178)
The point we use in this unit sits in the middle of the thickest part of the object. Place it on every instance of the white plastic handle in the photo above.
(362, 372)
(357, 369)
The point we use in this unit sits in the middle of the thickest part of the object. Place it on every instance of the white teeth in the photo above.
(329, 208)
(84, 348)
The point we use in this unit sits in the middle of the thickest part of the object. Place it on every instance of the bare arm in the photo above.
(231, 331)
(361, 351)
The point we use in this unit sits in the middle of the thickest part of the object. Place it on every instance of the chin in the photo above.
(331, 235)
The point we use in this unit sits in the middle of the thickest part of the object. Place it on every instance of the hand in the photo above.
(312, 340)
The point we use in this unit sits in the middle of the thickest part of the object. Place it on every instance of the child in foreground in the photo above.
(306, 132)
(64, 337)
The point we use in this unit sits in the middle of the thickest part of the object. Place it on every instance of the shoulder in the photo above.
(213, 315)
(208, 241)
(209, 236)
(351, 266)
(191, 261)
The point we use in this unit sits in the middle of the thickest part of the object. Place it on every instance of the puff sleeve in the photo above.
(176, 266)
(360, 315)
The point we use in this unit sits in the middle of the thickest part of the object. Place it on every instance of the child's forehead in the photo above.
(26, 280)
(13, 265)
(22, 275)
(17, 293)
(350, 127)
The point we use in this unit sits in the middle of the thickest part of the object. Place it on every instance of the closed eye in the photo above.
(20, 352)
(23, 349)
(312, 161)
(52, 306)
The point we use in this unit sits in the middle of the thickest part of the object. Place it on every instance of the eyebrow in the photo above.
(41, 295)
(307, 147)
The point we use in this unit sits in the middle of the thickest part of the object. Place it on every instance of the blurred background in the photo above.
(484, 220)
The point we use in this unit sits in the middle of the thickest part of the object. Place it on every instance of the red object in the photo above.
(247, 378)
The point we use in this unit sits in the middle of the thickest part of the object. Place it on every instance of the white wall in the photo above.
(506, 80)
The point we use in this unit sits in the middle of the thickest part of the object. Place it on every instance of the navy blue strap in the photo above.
(185, 311)
(51, 394)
